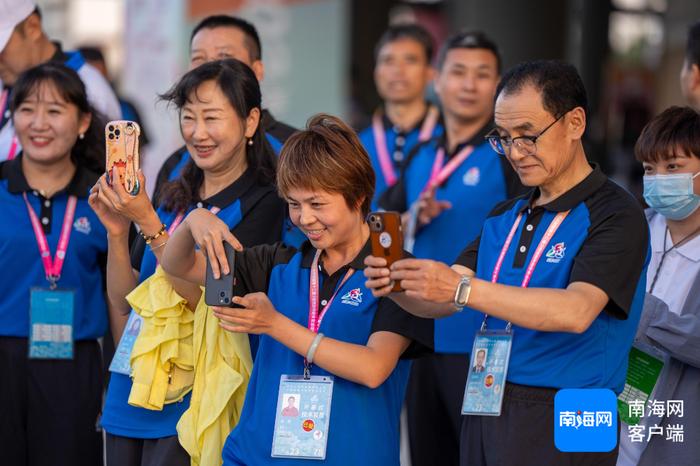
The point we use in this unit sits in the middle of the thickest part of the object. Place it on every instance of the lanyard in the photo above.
(180, 217)
(548, 235)
(316, 316)
(385, 162)
(53, 268)
(440, 172)
(14, 145)
(666, 251)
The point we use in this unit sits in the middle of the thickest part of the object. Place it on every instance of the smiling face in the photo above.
(466, 83)
(48, 126)
(521, 113)
(324, 217)
(402, 71)
(215, 135)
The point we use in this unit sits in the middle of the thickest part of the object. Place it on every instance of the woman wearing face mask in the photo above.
(314, 314)
(231, 175)
(52, 310)
(669, 331)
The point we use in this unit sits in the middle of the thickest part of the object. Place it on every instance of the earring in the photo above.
(81, 136)
(250, 141)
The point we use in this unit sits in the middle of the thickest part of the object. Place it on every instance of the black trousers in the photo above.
(124, 451)
(433, 407)
(523, 435)
(49, 408)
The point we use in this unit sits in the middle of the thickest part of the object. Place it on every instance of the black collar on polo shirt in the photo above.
(476, 140)
(235, 190)
(358, 263)
(59, 55)
(388, 124)
(573, 197)
(79, 185)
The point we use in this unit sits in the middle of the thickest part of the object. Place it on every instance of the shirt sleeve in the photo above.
(468, 256)
(392, 318)
(614, 255)
(264, 222)
(254, 266)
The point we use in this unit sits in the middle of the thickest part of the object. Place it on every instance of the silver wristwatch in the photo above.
(463, 290)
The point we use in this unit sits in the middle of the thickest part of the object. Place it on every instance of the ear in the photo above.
(252, 122)
(694, 77)
(259, 70)
(32, 27)
(437, 82)
(430, 73)
(576, 123)
(84, 122)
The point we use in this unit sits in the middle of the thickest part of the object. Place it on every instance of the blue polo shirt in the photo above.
(482, 181)
(21, 262)
(364, 426)
(252, 211)
(399, 144)
(603, 241)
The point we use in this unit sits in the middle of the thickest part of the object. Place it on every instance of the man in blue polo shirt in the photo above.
(564, 266)
(450, 184)
(402, 71)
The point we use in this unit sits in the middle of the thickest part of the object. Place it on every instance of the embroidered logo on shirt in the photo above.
(82, 225)
(472, 177)
(556, 254)
(352, 297)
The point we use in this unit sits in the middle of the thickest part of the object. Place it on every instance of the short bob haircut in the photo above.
(327, 156)
(675, 131)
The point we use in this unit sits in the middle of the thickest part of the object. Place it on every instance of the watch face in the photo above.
(463, 292)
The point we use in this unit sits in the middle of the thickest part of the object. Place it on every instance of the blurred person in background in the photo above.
(24, 44)
(402, 71)
(690, 71)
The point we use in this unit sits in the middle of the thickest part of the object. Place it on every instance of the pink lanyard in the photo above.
(53, 268)
(315, 317)
(548, 235)
(385, 162)
(14, 144)
(440, 173)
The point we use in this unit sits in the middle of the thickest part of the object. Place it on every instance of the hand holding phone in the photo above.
(386, 237)
(219, 291)
(122, 152)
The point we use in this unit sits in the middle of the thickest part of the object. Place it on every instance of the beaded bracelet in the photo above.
(150, 238)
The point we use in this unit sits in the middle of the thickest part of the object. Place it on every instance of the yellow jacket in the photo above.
(223, 365)
(161, 361)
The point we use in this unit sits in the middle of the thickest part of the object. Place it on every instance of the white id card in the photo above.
(483, 395)
(302, 417)
(122, 355)
(51, 324)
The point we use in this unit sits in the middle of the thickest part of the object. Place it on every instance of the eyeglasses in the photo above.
(525, 144)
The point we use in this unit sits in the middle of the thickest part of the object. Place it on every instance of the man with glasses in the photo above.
(448, 186)
(559, 272)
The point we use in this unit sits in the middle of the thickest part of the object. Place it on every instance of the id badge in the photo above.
(122, 355)
(51, 324)
(302, 417)
(643, 371)
(486, 381)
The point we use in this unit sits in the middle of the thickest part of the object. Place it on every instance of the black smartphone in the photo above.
(219, 292)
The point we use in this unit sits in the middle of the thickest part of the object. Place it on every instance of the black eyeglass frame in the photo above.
(496, 140)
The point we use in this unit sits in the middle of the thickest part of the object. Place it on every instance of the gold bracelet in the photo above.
(150, 238)
(159, 246)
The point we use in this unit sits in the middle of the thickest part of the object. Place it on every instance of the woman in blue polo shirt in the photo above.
(311, 305)
(231, 173)
(53, 246)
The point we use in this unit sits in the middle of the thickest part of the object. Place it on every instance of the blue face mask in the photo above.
(671, 195)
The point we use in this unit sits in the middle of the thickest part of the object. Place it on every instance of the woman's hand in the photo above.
(257, 316)
(136, 208)
(116, 225)
(377, 274)
(209, 233)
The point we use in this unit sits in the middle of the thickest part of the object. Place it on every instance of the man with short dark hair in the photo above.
(448, 186)
(402, 71)
(557, 275)
(24, 45)
(690, 71)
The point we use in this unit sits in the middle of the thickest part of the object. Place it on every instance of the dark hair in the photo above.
(252, 39)
(469, 40)
(675, 129)
(558, 82)
(407, 31)
(238, 83)
(327, 155)
(89, 151)
(692, 46)
(91, 53)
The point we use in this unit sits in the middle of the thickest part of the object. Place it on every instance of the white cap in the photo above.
(12, 12)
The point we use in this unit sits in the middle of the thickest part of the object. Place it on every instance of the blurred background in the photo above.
(318, 54)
